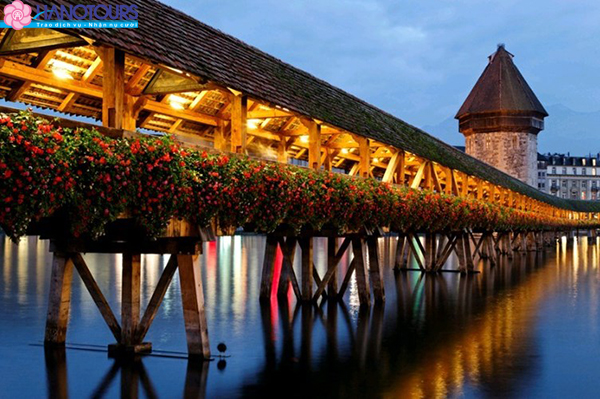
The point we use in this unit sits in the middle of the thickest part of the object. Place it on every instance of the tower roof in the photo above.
(501, 87)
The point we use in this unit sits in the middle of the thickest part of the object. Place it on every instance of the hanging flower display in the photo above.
(92, 180)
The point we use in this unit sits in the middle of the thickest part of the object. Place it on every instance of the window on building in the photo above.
(583, 171)
(554, 170)
(564, 172)
(584, 184)
(564, 183)
(583, 195)
(574, 171)
(583, 162)
(594, 162)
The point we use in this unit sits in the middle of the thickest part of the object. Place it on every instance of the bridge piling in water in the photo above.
(182, 242)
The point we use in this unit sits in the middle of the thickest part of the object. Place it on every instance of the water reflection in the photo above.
(436, 336)
(134, 381)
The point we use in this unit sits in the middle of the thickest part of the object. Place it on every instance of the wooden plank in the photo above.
(306, 245)
(130, 298)
(192, 296)
(268, 268)
(157, 297)
(59, 302)
(97, 296)
(239, 110)
(375, 271)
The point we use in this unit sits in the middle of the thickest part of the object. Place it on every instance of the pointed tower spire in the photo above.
(501, 118)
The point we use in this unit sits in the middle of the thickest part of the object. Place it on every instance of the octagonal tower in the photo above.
(501, 119)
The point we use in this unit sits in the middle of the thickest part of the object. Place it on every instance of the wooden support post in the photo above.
(306, 245)
(268, 268)
(400, 260)
(490, 250)
(130, 298)
(288, 248)
(220, 141)
(375, 271)
(60, 299)
(460, 252)
(365, 156)
(239, 112)
(332, 286)
(362, 277)
(192, 296)
(314, 145)
(468, 253)
(113, 87)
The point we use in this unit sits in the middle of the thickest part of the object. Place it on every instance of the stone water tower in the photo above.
(501, 119)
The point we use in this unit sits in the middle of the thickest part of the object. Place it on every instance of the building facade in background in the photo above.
(501, 119)
(570, 177)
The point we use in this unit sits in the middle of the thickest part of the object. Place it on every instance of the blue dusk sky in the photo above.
(418, 59)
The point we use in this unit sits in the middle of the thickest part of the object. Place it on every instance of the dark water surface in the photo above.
(529, 327)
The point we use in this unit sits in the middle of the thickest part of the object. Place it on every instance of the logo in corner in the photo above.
(17, 15)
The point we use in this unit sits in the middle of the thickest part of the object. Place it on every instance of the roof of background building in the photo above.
(172, 38)
(501, 87)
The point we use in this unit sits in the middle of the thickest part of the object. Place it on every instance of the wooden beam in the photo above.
(416, 182)
(268, 113)
(18, 71)
(189, 115)
(239, 111)
(192, 296)
(391, 170)
(436, 181)
(59, 302)
(365, 156)
(157, 298)
(314, 145)
(113, 87)
(130, 298)
(131, 86)
(97, 296)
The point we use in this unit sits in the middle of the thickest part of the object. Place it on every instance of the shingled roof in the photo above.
(501, 87)
(170, 37)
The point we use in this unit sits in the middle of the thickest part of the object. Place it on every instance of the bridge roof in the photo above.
(170, 37)
(501, 87)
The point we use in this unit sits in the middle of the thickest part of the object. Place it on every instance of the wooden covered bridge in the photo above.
(178, 76)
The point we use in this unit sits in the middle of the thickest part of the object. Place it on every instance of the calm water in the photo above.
(526, 328)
